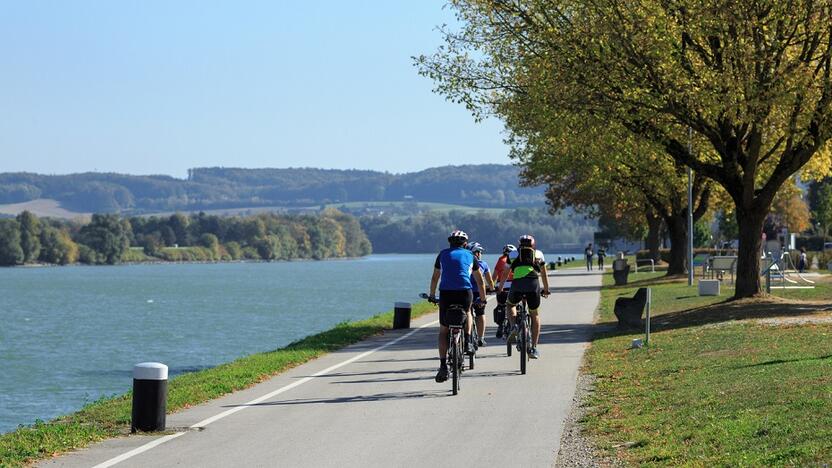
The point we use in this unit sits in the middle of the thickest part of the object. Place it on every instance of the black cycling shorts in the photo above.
(528, 288)
(447, 298)
(478, 309)
(502, 297)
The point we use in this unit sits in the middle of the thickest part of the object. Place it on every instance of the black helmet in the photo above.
(527, 241)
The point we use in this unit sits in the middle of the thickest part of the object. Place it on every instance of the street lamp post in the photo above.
(690, 211)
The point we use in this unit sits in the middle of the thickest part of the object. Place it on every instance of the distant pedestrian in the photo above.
(801, 264)
(588, 254)
(601, 254)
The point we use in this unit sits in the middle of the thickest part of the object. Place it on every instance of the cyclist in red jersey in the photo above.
(503, 273)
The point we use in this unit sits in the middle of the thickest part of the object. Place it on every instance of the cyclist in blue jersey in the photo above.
(452, 272)
(479, 307)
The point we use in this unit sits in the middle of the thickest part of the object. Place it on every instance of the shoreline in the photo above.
(189, 262)
(209, 262)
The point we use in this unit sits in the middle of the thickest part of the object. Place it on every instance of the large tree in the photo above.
(603, 168)
(10, 251)
(107, 235)
(749, 78)
(29, 236)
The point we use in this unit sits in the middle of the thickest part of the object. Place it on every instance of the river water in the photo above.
(71, 335)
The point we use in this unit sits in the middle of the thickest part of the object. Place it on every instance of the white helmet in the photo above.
(458, 236)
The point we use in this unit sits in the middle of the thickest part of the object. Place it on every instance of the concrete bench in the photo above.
(708, 287)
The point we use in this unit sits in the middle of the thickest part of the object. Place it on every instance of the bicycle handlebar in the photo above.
(431, 299)
(435, 300)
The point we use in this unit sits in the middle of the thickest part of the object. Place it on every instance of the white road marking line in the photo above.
(138, 450)
(205, 422)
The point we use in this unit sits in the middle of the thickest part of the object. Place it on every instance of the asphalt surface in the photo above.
(383, 408)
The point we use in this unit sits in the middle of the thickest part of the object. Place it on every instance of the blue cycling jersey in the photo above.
(484, 268)
(456, 265)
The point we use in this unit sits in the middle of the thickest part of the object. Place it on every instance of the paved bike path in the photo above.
(383, 408)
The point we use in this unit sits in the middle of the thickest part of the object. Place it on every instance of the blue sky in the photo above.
(156, 87)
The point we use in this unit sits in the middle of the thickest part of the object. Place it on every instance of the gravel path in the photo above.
(577, 449)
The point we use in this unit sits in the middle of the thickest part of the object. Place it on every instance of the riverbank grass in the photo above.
(110, 417)
(727, 383)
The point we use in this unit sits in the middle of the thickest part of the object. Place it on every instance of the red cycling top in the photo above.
(501, 268)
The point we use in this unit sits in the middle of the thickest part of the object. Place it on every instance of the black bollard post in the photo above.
(150, 394)
(401, 315)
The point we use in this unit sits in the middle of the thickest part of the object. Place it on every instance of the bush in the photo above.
(250, 253)
(90, 256)
(233, 250)
(186, 254)
(135, 255)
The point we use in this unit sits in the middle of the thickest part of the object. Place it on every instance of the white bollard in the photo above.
(150, 394)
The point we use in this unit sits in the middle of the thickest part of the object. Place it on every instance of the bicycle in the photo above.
(456, 317)
(474, 337)
(506, 327)
(524, 335)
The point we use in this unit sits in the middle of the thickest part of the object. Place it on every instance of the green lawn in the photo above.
(111, 417)
(715, 387)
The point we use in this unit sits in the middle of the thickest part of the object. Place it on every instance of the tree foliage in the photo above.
(823, 209)
(10, 251)
(107, 238)
(750, 79)
(428, 232)
(29, 236)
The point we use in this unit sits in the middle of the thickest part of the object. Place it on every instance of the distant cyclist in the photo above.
(452, 271)
(529, 268)
(503, 274)
(479, 307)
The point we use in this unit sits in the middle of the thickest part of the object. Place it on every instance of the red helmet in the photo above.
(527, 241)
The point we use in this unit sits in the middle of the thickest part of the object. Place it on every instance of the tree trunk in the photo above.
(748, 258)
(653, 240)
(677, 228)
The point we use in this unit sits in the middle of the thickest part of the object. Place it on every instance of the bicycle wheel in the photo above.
(474, 335)
(524, 345)
(456, 359)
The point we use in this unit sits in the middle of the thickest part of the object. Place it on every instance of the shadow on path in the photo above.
(352, 399)
(725, 311)
(784, 361)
(572, 289)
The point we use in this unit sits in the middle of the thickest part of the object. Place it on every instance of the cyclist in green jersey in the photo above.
(528, 268)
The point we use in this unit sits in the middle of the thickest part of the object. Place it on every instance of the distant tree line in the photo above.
(110, 238)
(428, 232)
(487, 185)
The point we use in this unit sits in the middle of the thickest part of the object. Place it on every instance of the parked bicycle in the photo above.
(456, 317)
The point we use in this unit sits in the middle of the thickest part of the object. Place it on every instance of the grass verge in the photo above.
(111, 417)
(717, 385)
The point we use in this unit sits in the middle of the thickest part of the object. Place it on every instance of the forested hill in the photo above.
(486, 185)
